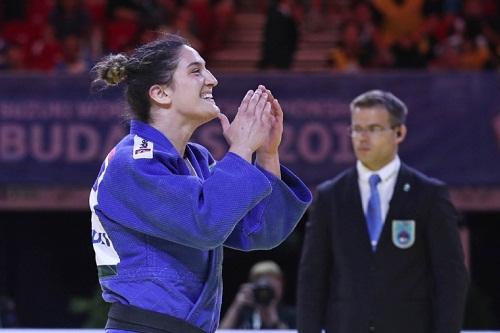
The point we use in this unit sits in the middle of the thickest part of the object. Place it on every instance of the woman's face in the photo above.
(191, 88)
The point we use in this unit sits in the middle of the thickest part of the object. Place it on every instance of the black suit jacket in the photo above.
(345, 287)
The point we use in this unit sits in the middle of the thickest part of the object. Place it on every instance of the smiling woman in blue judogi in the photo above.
(163, 208)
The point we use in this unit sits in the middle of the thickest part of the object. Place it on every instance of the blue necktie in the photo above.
(373, 212)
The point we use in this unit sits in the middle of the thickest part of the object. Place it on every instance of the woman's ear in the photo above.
(159, 95)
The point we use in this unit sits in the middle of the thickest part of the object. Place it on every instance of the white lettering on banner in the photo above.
(316, 143)
(78, 152)
(101, 110)
(311, 109)
(343, 152)
(496, 127)
(55, 146)
(73, 143)
(286, 150)
(33, 109)
(12, 142)
(62, 110)
(317, 134)
(313, 142)
(300, 109)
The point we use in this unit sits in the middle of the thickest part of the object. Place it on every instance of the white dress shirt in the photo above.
(388, 175)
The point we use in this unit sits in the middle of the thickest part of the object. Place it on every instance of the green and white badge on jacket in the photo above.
(403, 233)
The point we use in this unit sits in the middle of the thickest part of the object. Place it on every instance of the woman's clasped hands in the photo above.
(257, 127)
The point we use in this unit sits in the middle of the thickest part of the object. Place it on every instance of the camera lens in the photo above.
(263, 293)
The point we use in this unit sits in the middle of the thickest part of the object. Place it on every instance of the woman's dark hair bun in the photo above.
(112, 69)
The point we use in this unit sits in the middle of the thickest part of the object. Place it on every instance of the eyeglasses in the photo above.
(372, 130)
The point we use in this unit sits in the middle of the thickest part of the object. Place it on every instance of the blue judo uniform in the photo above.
(160, 221)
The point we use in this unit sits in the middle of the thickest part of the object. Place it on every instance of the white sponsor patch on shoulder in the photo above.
(142, 148)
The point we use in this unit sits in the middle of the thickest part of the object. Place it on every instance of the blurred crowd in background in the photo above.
(67, 36)
(415, 34)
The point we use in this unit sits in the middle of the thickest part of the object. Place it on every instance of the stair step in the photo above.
(246, 36)
(250, 20)
(236, 54)
(311, 55)
(242, 50)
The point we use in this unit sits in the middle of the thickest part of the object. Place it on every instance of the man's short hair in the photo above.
(267, 267)
(396, 108)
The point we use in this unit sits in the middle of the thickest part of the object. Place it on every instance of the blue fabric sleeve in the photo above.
(145, 196)
(275, 217)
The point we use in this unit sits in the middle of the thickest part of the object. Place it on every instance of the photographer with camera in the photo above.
(257, 304)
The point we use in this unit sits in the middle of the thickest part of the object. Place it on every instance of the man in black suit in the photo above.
(382, 252)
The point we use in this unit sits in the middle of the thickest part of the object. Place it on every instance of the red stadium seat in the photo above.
(20, 32)
(119, 35)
